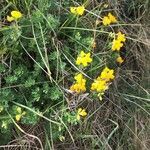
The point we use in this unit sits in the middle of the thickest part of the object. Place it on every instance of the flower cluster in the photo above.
(77, 10)
(107, 74)
(84, 59)
(15, 15)
(99, 85)
(117, 44)
(79, 85)
(107, 20)
(118, 41)
(81, 113)
(102, 82)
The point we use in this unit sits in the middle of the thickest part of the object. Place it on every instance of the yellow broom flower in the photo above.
(107, 74)
(112, 18)
(84, 59)
(121, 37)
(120, 60)
(79, 85)
(77, 10)
(15, 15)
(107, 20)
(81, 113)
(116, 45)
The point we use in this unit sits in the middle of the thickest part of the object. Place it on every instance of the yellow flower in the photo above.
(101, 83)
(116, 45)
(15, 15)
(79, 78)
(84, 59)
(78, 88)
(120, 60)
(107, 74)
(19, 113)
(18, 117)
(80, 10)
(79, 85)
(106, 21)
(99, 86)
(118, 42)
(81, 113)
(121, 37)
(77, 10)
(112, 18)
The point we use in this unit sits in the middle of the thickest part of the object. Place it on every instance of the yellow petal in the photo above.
(78, 77)
(106, 69)
(116, 45)
(78, 117)
(106, 75)
(16, 14)
(73, 10)
(106, 21)
(112, 18)
(102, 86)
(10, 19)
(84, 63)
(120, 60)
(121, 37)
(82, 54)
(83, 113)
(83, 59)
(18, 117)
(80, 10)
(74, 88)
(79, 110)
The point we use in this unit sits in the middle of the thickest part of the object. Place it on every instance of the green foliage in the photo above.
(55, 93)
(38, 62)
(31, 119)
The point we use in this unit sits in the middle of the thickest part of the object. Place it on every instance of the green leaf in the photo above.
(30, 82)
(55, 93)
